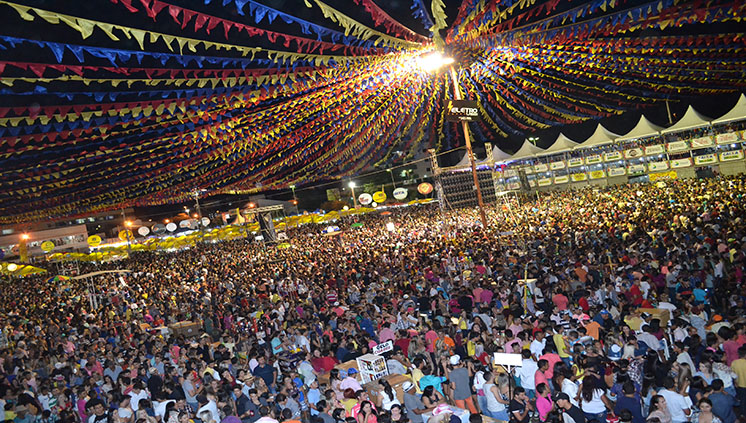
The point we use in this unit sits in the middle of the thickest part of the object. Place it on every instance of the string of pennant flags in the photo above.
(98, 113)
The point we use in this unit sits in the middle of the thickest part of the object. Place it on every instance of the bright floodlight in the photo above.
(433, 61)
(351, 184)
(25, 236)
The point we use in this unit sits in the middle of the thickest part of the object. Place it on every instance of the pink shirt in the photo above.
(539, 378)
(543, 406)
(386, 335)
(431, 336)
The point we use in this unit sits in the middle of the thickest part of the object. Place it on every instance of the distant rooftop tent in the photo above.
(644, 128)
(601, 136)
(527, 150)
(560, 145)
(692, 119)
(738, 112)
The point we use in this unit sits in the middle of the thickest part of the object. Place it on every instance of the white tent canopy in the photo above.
(601, 136)
(691, 119)
(560, 145)
(644, 128)
(527, 150)
(499, 155)
(738, 112)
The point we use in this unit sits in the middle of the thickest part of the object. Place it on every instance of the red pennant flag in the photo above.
(174, 12)
(38, 69)
(128, 5)
(200, 22)
(187, 17)
(227, 25)
(212, 23)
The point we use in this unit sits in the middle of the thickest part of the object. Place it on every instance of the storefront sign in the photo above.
(729, 138)
(671, 174)
(633, 153)
(543, 182)
(676, 146)
(563, 179)
(597, 174)
(654, 149)
(614, 155)
(617, 171)
(578, 177)
(557, 165)
(596, 158)
(680, 163)
(637, 169)
(702, 142)
(575, 162)
(658, 166)
(706, 159)
(541, 167)
(727, 156)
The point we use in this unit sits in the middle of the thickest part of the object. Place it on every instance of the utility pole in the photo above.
(467, 138)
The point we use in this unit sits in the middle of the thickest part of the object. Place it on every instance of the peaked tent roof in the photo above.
(738, 112)
(498, 155)
(691, 119)
(644, 128)
(601, 136)
(561, 144)
(527, 150)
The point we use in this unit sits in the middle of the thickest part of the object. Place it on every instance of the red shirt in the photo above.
(560, 301)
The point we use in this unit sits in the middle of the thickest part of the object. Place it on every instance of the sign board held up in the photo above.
(383, 348)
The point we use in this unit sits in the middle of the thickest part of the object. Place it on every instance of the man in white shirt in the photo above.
(537, 345)
(678, 405)
(526, 373)
(138, 392)
(208, 406)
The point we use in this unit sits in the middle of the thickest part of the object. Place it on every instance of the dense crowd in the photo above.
(626, 304)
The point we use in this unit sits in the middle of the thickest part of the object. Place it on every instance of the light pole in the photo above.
(467, 138)
(127, 226)
(199, 213)
(351, 184)
(432, 62)
(295, 199)
(391, 173)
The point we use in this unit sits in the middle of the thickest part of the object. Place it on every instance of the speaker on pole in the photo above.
(267, 226)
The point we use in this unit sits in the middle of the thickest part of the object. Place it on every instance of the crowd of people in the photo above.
(625, 303)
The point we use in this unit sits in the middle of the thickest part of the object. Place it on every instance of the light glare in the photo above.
(433, 61)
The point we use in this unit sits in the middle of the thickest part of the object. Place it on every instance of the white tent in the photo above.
(527, 150)
(691, 119)
(499, 155)
(738, 112)
(644, 128)
(601, 136)
(560, 145)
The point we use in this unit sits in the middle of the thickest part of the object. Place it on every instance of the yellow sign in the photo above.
(94, 240)
(126, 235)
(663, 175)
(379, 197)
(47, 246)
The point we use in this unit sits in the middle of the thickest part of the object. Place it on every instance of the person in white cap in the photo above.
(414, 405)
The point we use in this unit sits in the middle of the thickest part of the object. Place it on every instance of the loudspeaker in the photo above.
(267, 226)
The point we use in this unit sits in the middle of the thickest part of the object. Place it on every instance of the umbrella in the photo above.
(58, 278)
